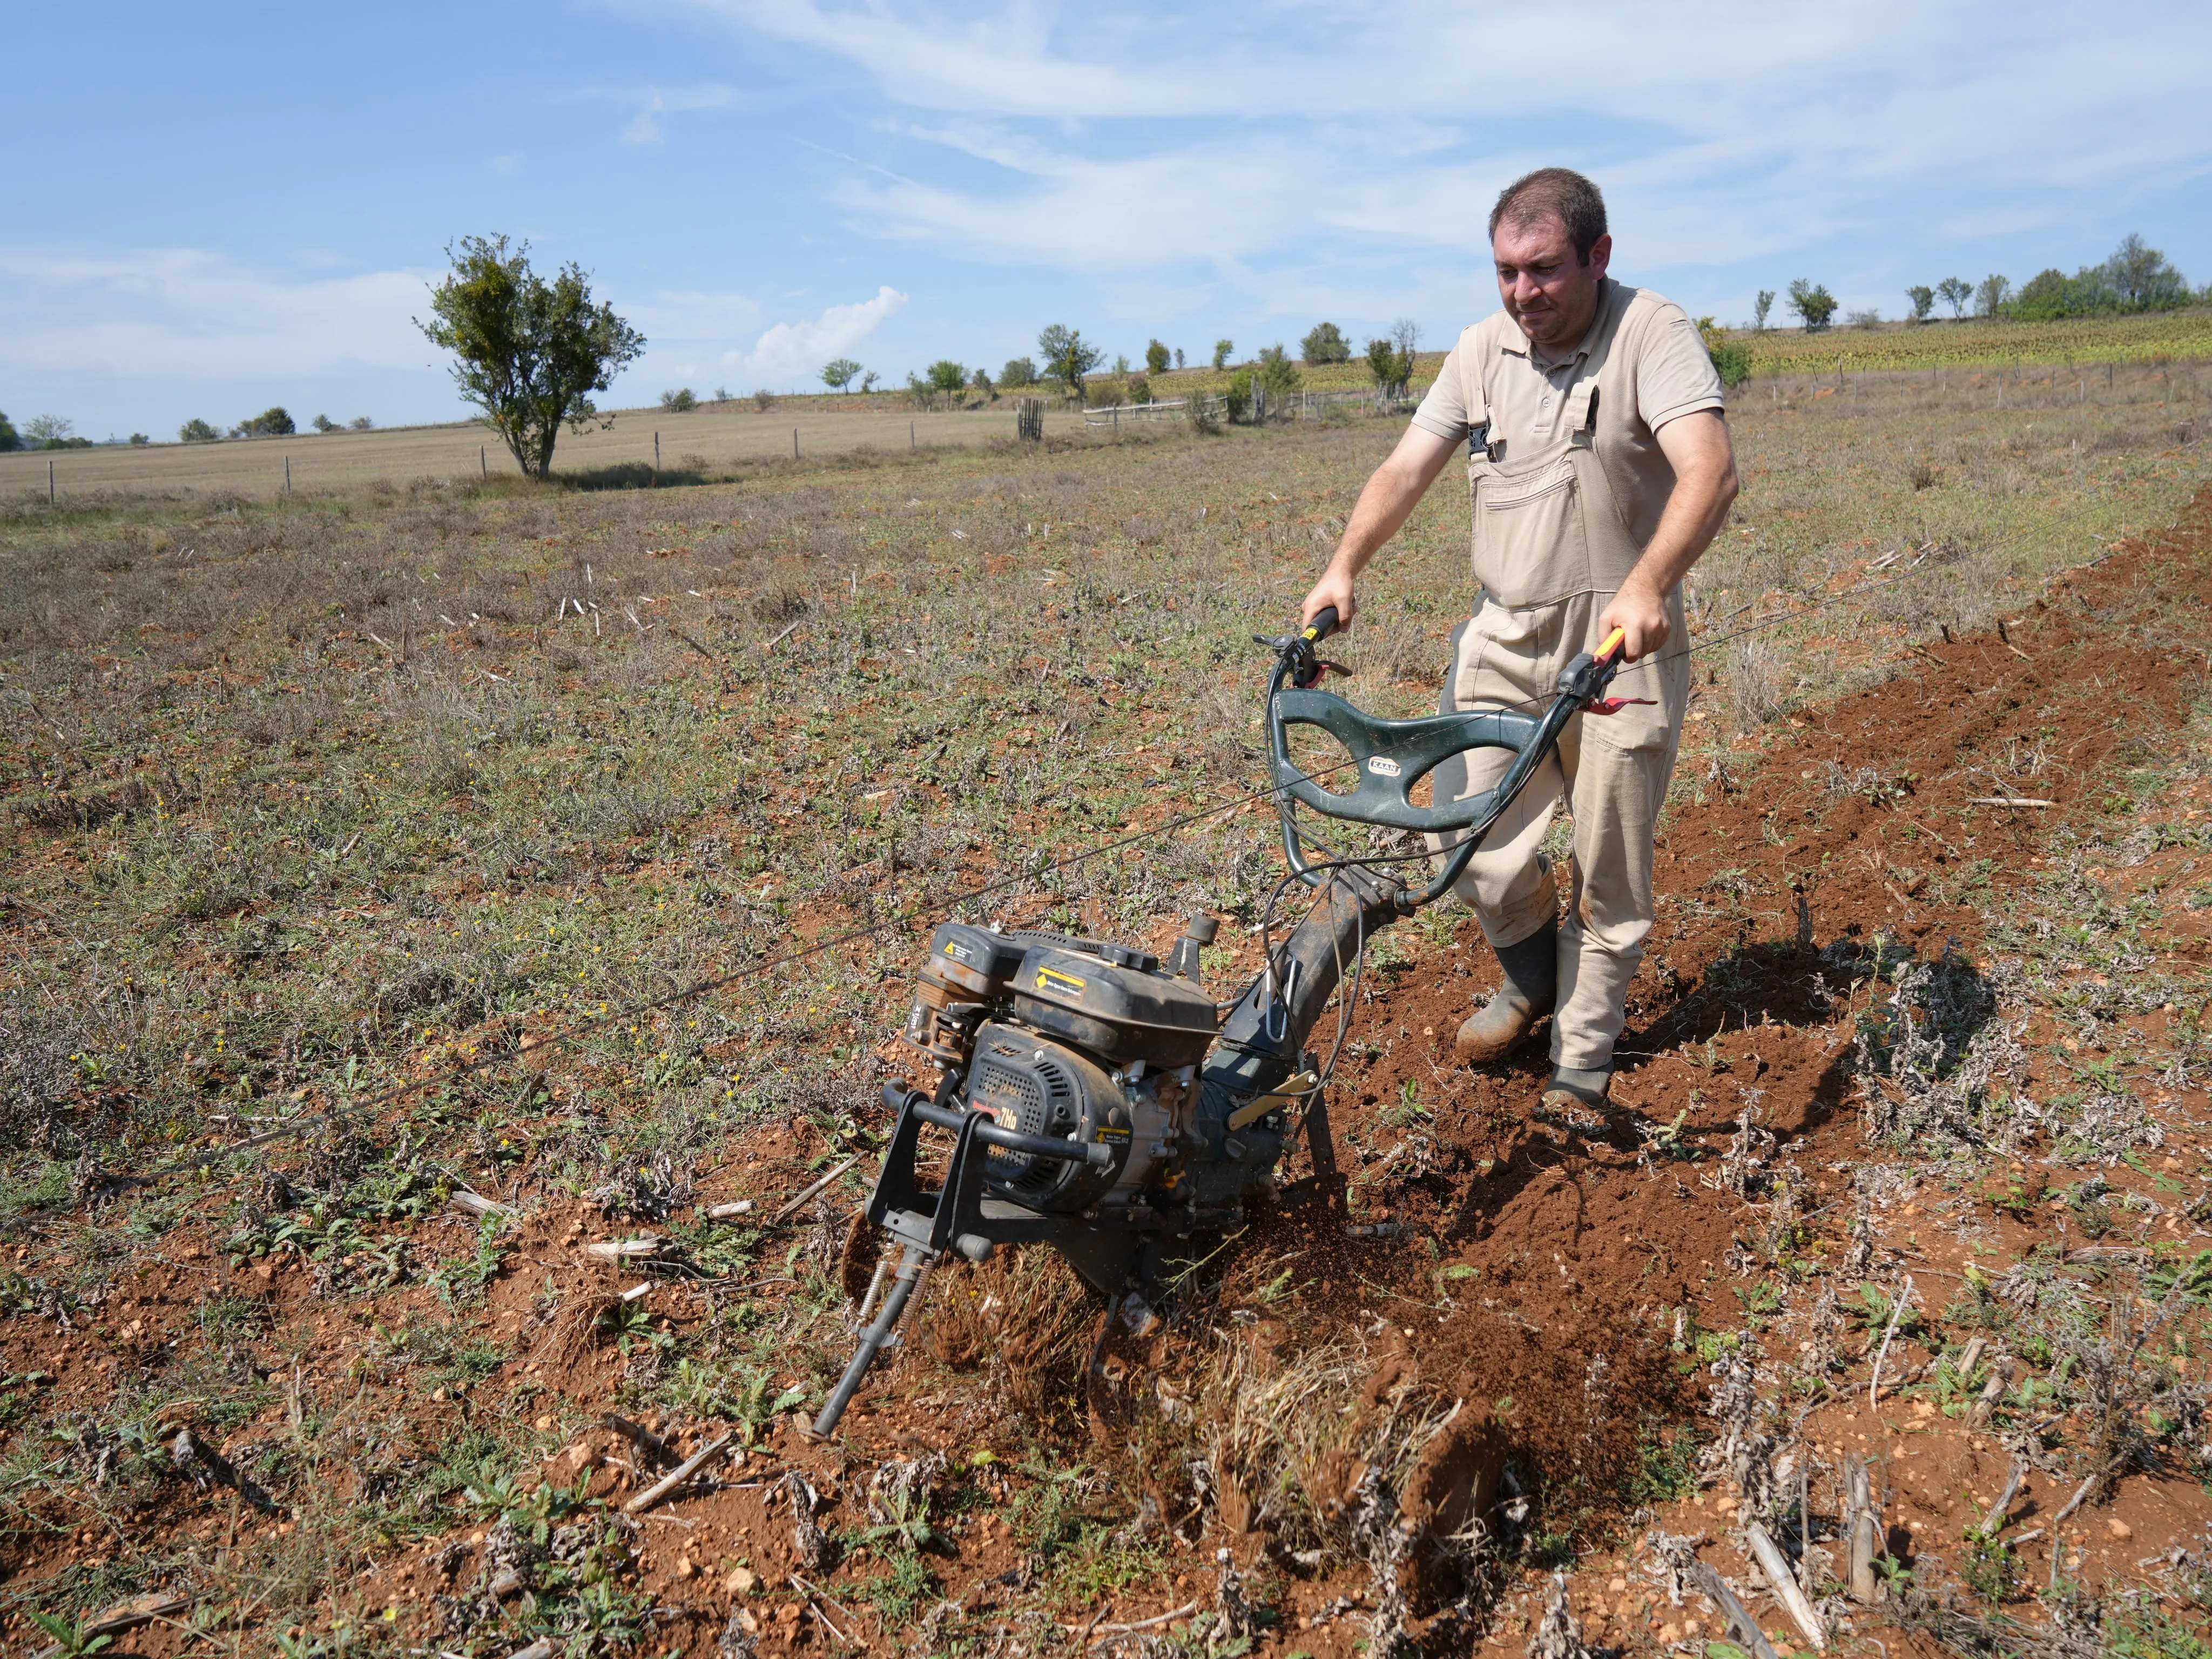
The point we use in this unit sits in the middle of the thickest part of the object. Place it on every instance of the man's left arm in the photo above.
(1697, 446)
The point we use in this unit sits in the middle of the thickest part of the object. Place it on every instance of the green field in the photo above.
(2162, 338)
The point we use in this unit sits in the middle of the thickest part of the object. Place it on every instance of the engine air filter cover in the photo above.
(1123, 1011)
(978, 963)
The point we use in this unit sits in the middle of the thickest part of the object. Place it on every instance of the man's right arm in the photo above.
(1391, 495)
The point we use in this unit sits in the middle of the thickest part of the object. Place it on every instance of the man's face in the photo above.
(1547, 290)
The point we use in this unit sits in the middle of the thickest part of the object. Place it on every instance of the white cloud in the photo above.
(645, 127)
(188, 312)
(1118, 142)
(792, 354)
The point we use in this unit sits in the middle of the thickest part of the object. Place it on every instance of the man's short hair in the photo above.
(1553, 193)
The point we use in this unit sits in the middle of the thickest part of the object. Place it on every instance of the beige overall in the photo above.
(1551, 548)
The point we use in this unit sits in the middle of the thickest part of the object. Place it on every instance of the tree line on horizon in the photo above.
(529, 352)
(2137, 278)
(1064, 361)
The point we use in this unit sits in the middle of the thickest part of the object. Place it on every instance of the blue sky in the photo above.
(215, 209)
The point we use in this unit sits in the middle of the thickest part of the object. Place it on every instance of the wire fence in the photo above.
(1263, 406)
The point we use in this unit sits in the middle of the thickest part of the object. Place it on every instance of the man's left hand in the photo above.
(1641, 616)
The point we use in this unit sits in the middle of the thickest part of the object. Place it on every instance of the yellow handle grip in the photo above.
(1614, 642)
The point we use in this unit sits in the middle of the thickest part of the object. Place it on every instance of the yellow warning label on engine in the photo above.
(1051, 979)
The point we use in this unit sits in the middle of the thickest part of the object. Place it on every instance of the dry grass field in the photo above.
(364, 850)
(354, 463)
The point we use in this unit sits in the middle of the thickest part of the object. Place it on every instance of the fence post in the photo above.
(794, 443)
(656, 451)
(288, 475)
(50, 482)
(483, 463)
(910, 443)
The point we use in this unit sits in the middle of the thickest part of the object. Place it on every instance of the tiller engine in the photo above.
(1089, 1097)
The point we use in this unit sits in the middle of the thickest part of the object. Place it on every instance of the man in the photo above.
(1599, 469)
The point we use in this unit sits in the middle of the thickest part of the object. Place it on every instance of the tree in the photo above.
(1279, 375)
(1731, 358)
(1990, 298)
(981, 381)
(1156, 358)
(138, 440)
(270, 422)
(2141, 277)
(529, 353)
(196, 431)
(48, 431)
(1760, 309)
(1221, 350)
(324, 424)
(10, 438)
(360, 424)
(1391, 367)
(1923, 301)
(1019, 372)
(947, 376)
(1068, 358)
(1178, 356)
(1955, 291)
(1325, 345)
(1237, 396)
(1813, 304)
(681, 401)
(839, 373)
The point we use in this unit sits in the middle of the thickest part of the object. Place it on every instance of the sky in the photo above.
(212, 209)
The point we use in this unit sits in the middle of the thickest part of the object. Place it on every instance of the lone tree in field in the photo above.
(530, 352)
(274, 421)
(1813, 304)
(1156, 357)
(1391, 367)
(947, 376)
(1221, 350)
(1019, 372)
(1325, 345)
(1760, 309)
(1068, 357)
(1954, 292)
(1990, 298)
(839, 373)
(1923, 301)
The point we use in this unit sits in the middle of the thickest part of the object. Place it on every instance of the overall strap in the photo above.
(1581, 412)
(1472, 349)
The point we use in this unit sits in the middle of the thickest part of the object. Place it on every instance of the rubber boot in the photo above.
(1529, 987)
(1570, 1088)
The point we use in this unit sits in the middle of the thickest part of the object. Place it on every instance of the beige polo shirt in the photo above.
(1657, 371)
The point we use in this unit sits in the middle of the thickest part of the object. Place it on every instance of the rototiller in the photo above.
(1091, 1098)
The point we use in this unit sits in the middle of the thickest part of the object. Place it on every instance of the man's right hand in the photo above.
(1335, 589)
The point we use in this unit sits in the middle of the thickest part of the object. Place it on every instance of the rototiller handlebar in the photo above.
(1392, 757)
